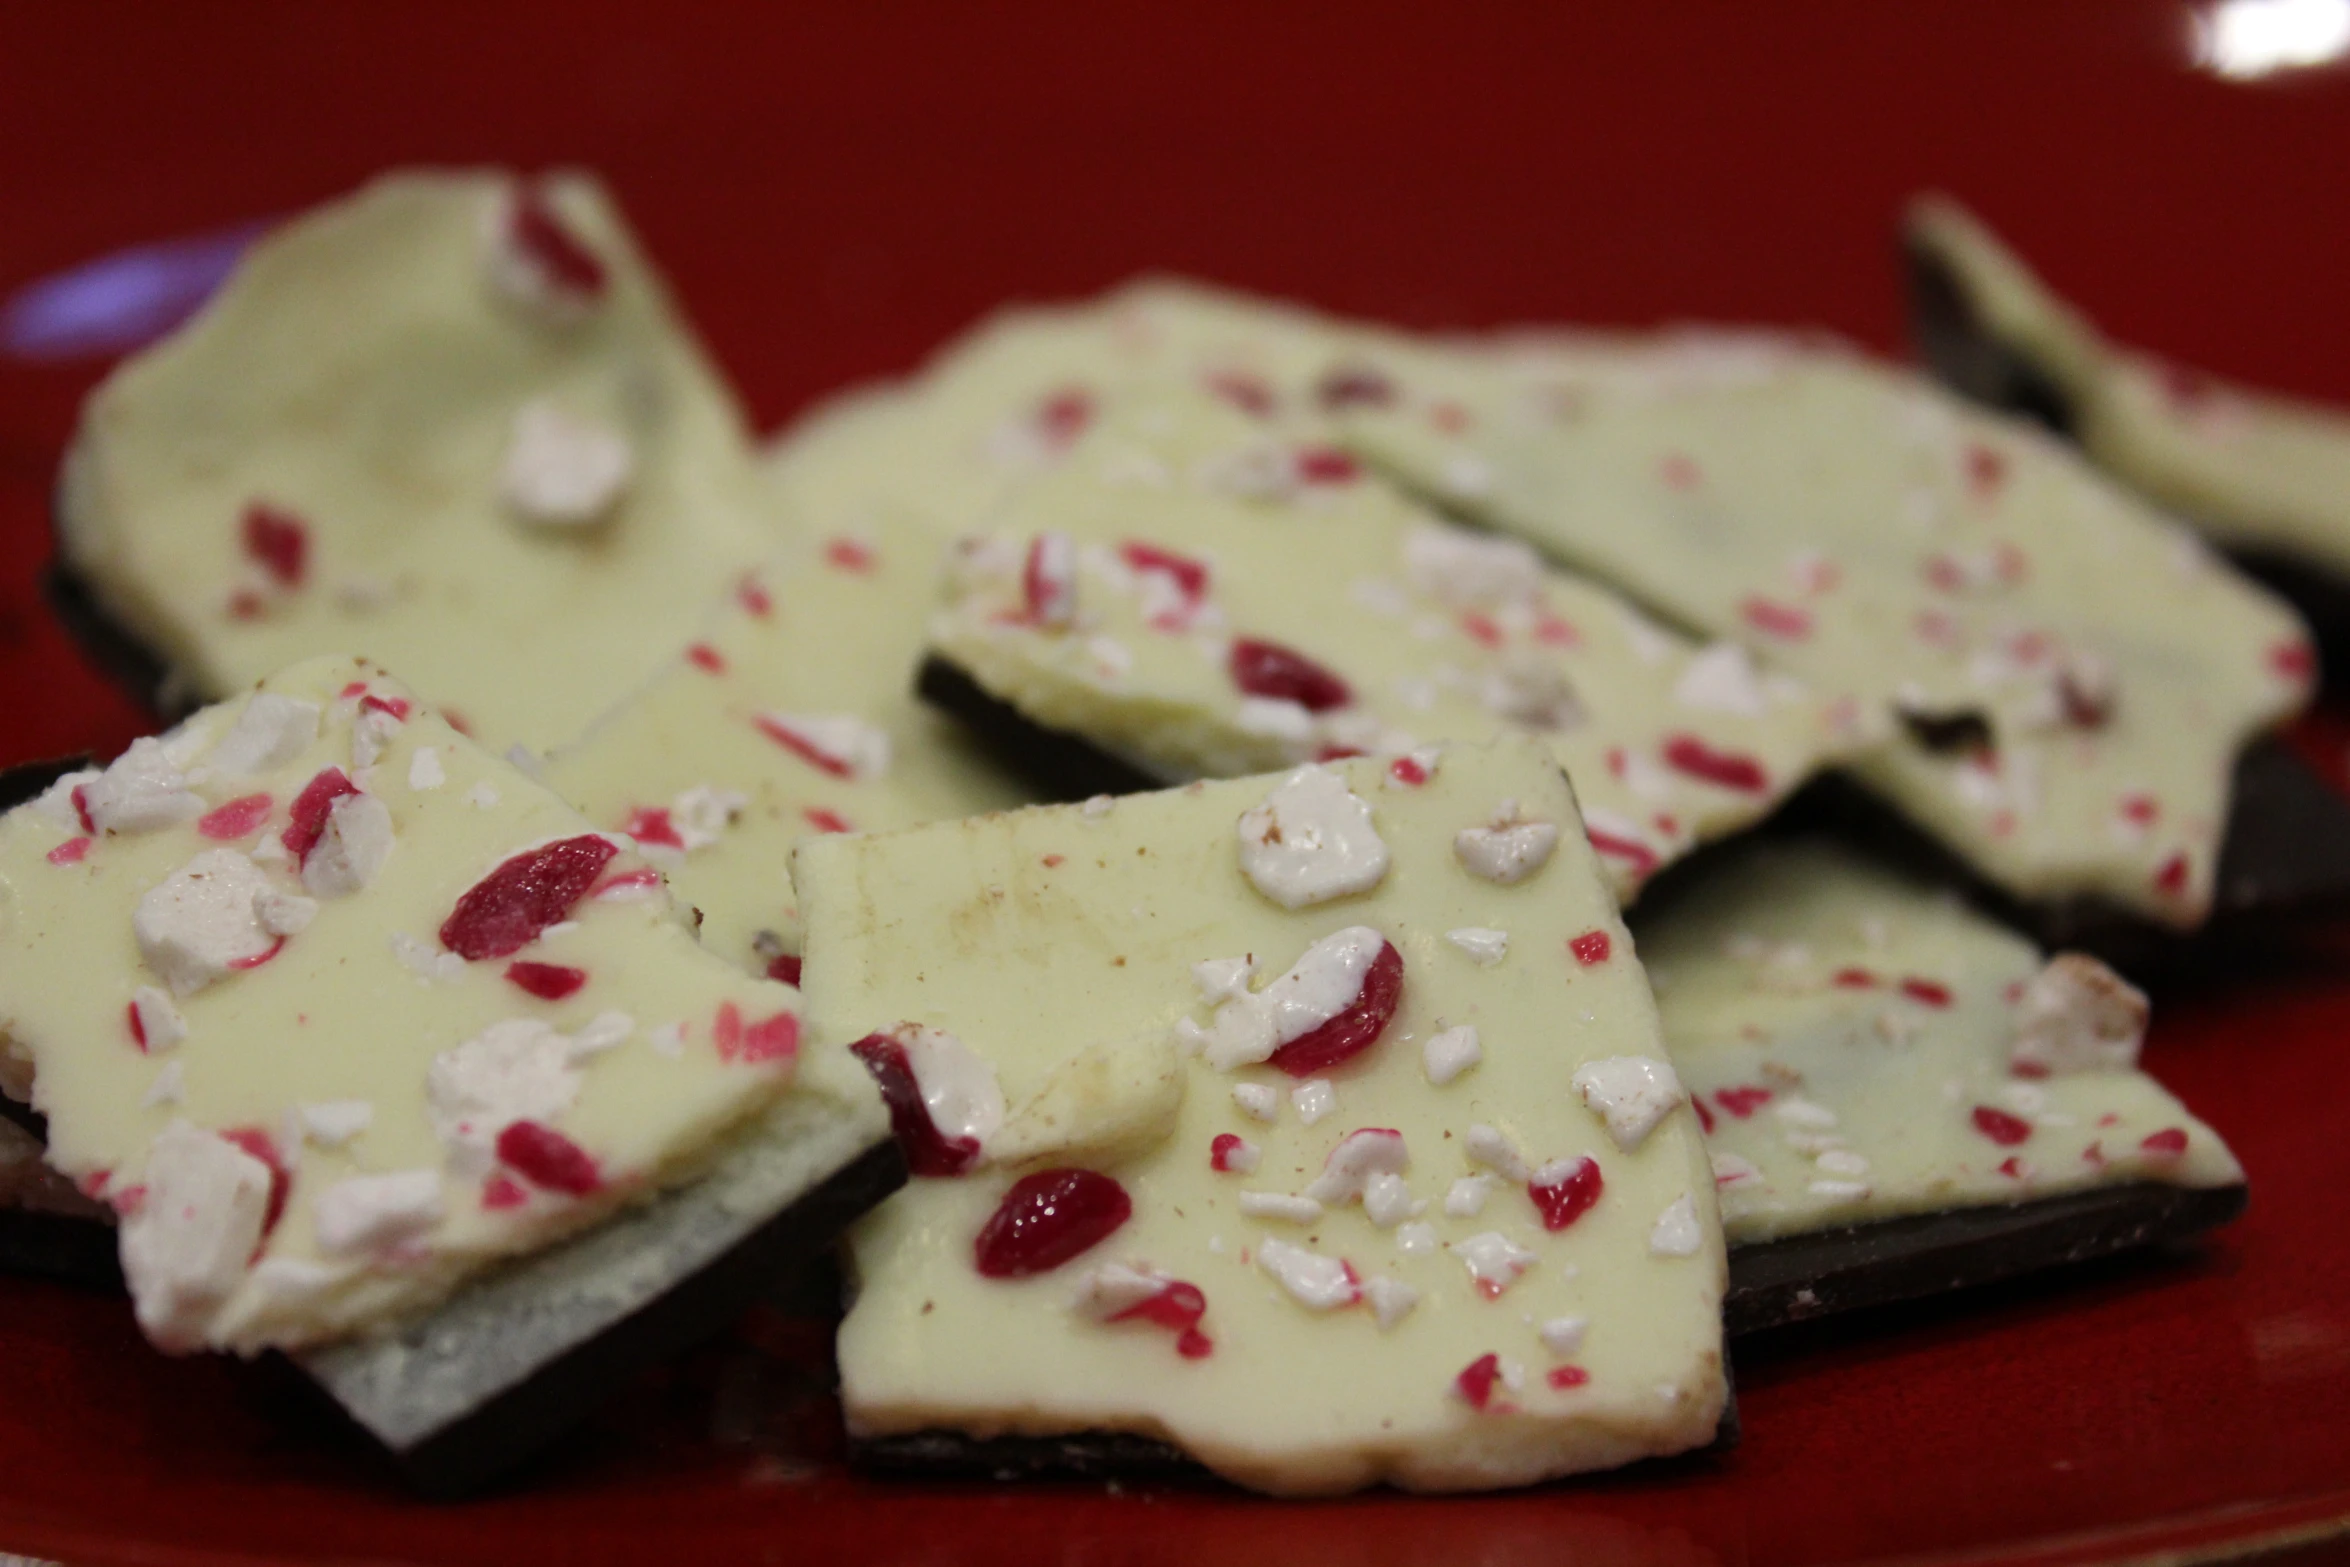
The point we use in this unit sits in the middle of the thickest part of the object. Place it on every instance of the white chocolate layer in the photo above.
(1038, 935)
(1843, 1026)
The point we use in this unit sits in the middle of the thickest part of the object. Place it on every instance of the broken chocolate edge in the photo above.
(1058, 764)
(119, 654)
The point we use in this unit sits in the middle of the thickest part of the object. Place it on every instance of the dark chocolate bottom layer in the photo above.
(1774, 1283)
(1056, 765)
(120, 654)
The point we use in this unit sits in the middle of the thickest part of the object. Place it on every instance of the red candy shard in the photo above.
(653, 824)
(1243, 391)
(138, 1027)
(263, 1147)
(2001, 1127)
(1268, 669)
(1593, 946)
(239, 818)
(1986, 470)
(2169, 1143)
(279, 542)
(1638, 855)
(1689, 755)
(1480, 628)
(2172, 877)
(1353, 1030)
(1926, 992)
(398, 706)
(1192, 1344)
(1742, 1102)
(1062, 417)
(1177, 1306)
(1190, 576)
(547, 981)
(1680, 472)
(1567, 1199)
(81, 809)
(1566, 1376)
(2014, 1168)
(2140, 809)
(1477, 1379)
(259, 958)
(505, 911)
(1787, 622)
(754, 598)
(561, 257)
(849, 554)
(1705, 1117)
(1406, 771)
(800, 746)
(928, 1150)
(1355, 387)
(1220, 1151)
(547, 1159)
(775, 1038)
(69, 852)
(785, 966)
(502, 1191)
(705, 657)
(2295, 660)
(1048, 1218)
(1327, 465)
(1854, 979)
(307, 815)
(826, 821)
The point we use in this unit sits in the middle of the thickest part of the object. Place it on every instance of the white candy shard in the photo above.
(369, 1212)
(958, 1089)
(354, 845)
(1490, 1147)
(1465, 1197)
(284, 913)
(1563, 1335)
(562, 470)
(1465, 570)
(1484, 946)
(425, 960)
(160, 1023)
(1239, 1157)
(1732, 1171)
(1493, 1260)
(371, 736)
(1722, 679)
(517, 1069)
(1049, 580)
(271, 731)
(425, 770)
(605, 1031)
(331, 1123)
(1415, 1240)
(1223, 979)
(1676, 1232)
(1115, 1288)
(201, 922)
(1359, 1156)
(142, 791)
(1387, 1201)
(702, 814)
(188, 1242)
(169, 1085)
(1632, 1094)
(2077, 1015)
(1326, 979)
(1448, 1054)
(1281, 1206)
(1260, 1101)
(840, 744)
(1313, 1099)
(1391, 1300)
(56, 801)
(1311, 840)
(1314, 1281)
(1508, 849)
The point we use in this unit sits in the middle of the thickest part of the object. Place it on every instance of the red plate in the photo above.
(834, 193)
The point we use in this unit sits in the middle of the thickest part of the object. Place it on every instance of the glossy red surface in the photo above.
(835, 192)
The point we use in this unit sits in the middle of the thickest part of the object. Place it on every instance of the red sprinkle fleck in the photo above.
(1243, 391)
(1327, 465)
(1854, 979)
(1554, 632)
(2140, 809)
(928, 1150)
(237, 819)
(1355, 1029)
(1691, 756)
(1742, 1102)
(1048, 1218)
(824, 820)
(1355, 387)
(653, 824)
(547, 981)
(1268, 669)
(1451, 418)
(138, 1027)
(1567, 1199)
(2014, 1168)
(1591, 947)
(1926, 992)
(307, 815)
(1406, 771)
(1062, 417)
(2002, 1128)
(245, 604)
(1337, 753)
(263, 1147)
(547, 1159)
(775, 1038)
(1177, 1307)
(1680, 472)
(502, 1191)
(1477, 1379)
(2095, 1153)
(1639, 855)
(706, 657)
(2295, 660)
(1788, 622)
(457, 721)
(1053, 861)
(1191, 576)
(785, 966)
(93, 1185)
(1480, 628)
(70, 852)
(849, 554)
(2169, 1143)
(505, 911)
(352, 692)
(279, 541)
(754, 598)
(398, 706)
(1220, 1151)
(1986, 470)
(1566, 1376)
(560, 255)
(1705, 1117)
(81, 808)
(2172, 877)
(799, 745)
(259, 958)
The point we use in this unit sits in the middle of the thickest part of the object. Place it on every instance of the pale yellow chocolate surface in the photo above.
(330, 1045)
(1438, 633)
(1836, 1103)
(2248, 467)
(363, 372)
(1046, 935)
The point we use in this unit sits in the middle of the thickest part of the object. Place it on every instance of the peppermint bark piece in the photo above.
(1200, 1174)
(2258, 472)
(1864, 1052)
(452, 418)
(791, 715)
(337, 1011)
(1195, 595)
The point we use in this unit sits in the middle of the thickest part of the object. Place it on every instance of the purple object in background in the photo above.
(121, 301)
